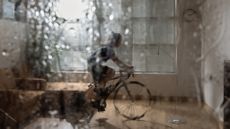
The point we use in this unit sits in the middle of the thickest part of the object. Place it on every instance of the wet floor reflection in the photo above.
(143, 124)
(157, 118)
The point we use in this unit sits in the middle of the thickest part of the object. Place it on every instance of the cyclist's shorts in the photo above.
(98, 72)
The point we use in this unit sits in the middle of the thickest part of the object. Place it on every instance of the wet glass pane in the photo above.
(139, 8)
(65, 64)
(11, 46)
(68, 63)
(140, 58)
(14, 10)
(139, 31)
(162, 60)
(163, 8)
(160, 32)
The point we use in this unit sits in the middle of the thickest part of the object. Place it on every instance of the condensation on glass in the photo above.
(147, 27)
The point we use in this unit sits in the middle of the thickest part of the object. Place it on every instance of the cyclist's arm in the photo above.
(120, 63)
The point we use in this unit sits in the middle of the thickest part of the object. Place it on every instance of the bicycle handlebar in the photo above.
(126, 75)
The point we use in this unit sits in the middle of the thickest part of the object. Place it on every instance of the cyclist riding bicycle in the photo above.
(101, 73)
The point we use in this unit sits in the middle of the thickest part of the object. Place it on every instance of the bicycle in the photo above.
(131, 99)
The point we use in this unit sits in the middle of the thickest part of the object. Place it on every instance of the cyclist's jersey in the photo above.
(101, 55)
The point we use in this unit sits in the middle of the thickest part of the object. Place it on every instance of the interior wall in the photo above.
(180, 84)
(216, 47)
(13, 39)
(188, 49)
(12, 46)
(186, 82)
(187, 79)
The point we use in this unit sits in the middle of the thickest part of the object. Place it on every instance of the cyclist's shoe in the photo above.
(99, 105)
(101, 109)
(101, 92)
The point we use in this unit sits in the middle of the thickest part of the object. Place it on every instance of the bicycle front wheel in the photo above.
(132, 100)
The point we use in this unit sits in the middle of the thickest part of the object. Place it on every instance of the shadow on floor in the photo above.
(103, 124)
(143, 124)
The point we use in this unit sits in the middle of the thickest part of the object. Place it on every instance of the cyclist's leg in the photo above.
(90, 95)
(95, 71)
(107, 75)
(101, 75)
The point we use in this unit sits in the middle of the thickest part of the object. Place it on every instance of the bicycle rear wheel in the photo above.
(132, 100)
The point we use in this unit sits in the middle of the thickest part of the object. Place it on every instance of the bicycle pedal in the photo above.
(101, 109)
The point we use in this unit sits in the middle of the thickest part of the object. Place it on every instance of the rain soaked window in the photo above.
(147, 27)
(45, 44)
(154, 45)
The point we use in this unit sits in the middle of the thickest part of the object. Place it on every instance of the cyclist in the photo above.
(102, 73)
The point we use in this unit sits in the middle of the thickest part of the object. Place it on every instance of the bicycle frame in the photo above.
(113, 87)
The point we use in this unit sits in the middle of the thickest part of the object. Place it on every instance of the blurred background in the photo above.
(179, 50)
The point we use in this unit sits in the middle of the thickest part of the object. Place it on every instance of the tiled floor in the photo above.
(158, 117)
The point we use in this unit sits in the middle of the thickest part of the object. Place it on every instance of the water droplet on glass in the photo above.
(5, 53)
(126, 31)
(90, 16)
(110, 4)
(44, 63)
(63, 46)
(97, 60)
(40, 4)
(195, 34)
(46, 47)
(200, 26)
(50, 57)
(90, 30)
(208, 27)
(85, 77)
(42, 13)
(46, 36)
(16, 37)
(46, 29)
(57, 46)
(88, 49)
(142, 54)
(56, 25)
(37, 13)
(67, 47)
(93, 8)
(129, 9)
(126, 43)
(21, 97)
(97, 33)
(72, 30)
(59, 74)
(55, 124)
(50, 4)
(95, 38)
(48, 75)
(62, 38)
(54, 112)
(32, 2)
(54, 19)
(111, 17)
